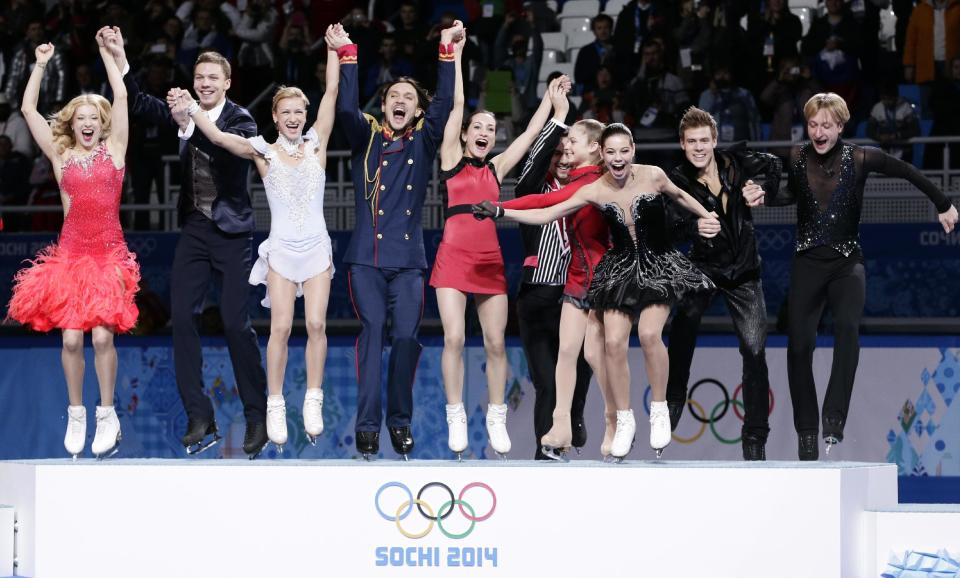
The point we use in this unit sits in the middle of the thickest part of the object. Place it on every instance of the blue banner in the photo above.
(911, 268)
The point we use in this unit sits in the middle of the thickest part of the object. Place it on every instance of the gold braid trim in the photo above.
(371, 195)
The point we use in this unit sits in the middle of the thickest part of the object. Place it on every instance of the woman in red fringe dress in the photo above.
(87, 280)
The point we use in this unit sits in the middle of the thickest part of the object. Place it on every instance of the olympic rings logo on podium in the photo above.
(718, 412)
(434, 516)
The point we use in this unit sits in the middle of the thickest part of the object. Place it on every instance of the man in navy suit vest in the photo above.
(216, 222)
(391, 168)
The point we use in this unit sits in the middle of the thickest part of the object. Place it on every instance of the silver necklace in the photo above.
(291, 147)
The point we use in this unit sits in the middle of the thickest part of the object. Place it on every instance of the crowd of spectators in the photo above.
(750, 63)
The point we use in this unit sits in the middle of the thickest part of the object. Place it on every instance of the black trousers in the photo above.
(204, 252)
(749, 314)
(538, 309)
(379, 294)
(821, 277)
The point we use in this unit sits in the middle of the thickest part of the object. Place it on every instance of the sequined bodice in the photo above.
(93, 185)
(829, 217)
(295, 194)
(647, 222)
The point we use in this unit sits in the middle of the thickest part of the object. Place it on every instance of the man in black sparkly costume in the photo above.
(826, 182)
(720, 181)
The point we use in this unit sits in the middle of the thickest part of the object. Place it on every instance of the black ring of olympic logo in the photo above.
(440, 515)
(726, 401)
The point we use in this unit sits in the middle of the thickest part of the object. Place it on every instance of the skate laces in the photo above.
(456, 414)
(76, 424)
(103, 422)
(497, 414)
(276, 413)
(313, 403)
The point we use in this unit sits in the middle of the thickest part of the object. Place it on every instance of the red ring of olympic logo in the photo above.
(718, 412)
(434, 516)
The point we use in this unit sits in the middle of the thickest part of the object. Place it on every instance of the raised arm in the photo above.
(556, 91)
(349, 116)
(140, 103)
(875, 160)
(323, 125)
(451, 149)
(119, 116)
(537, 165)
(38, 125)
(232, 143)
(435, 118)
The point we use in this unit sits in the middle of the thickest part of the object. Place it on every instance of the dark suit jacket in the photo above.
(232, 212)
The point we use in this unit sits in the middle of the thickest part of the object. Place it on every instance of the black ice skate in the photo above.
(201, 435)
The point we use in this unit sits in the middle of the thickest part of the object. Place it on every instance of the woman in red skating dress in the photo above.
(469, 259)
(87, 280)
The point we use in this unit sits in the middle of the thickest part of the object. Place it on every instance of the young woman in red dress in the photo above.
(87, 280)
(469, 260)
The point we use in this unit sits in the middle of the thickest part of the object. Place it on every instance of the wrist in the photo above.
(41, 65)
(193, 109)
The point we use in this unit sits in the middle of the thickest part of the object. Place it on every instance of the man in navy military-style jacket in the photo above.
(216, 221)
(391, 164)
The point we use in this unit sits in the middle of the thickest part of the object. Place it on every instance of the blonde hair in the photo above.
(592, 128)
(61, 121)
(832, 102)
(288, 92)
(696, 118)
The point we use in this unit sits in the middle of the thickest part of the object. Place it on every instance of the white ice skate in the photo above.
(106, 441)
(624, 436)
(457, 429)
(660, 434)
(497, 429)
(277, 421)
(76, 436)
(313, 414)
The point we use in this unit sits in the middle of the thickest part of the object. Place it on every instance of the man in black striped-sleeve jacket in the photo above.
(546, 258)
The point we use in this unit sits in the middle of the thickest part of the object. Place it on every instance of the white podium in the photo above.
(291, 519)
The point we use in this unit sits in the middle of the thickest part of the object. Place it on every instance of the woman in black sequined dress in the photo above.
(826, 182)
(638, 278)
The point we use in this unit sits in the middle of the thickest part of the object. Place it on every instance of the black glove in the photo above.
(485, 210)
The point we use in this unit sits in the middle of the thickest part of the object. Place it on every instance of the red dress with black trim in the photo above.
(88, 278)
(588, 231)
(469, 257)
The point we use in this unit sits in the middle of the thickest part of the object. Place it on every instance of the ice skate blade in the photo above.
(556, 454)
(111, 452)
(312, 440)
(257, 453)
(501, 455)
(76, 457)
(829, 441)
(577, 449)
(405, 457)
(617, 459)
(201, 447)
(367, 457)
(659, 452)
(279, 448)
(459, 457)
